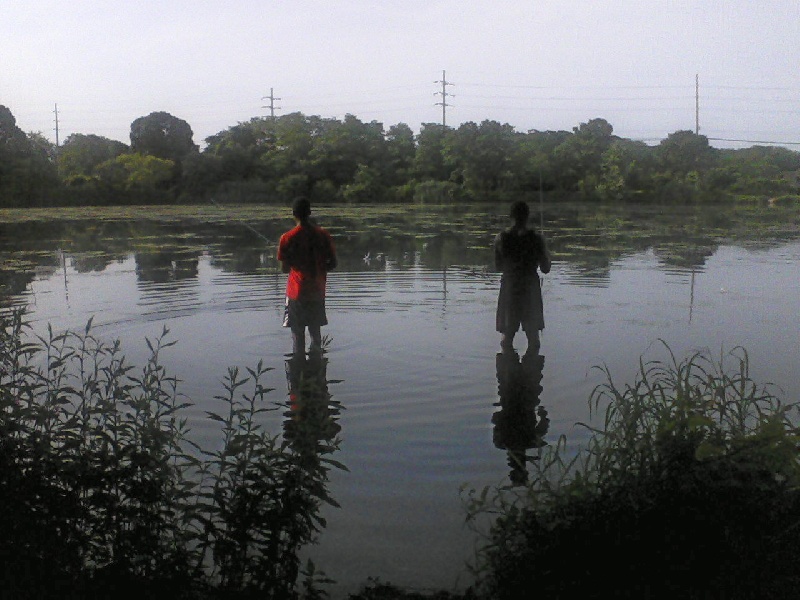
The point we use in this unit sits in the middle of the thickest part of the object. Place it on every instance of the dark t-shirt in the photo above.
(517, 255)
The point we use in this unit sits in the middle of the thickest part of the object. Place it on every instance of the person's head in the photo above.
(301, 208)
(519, 212)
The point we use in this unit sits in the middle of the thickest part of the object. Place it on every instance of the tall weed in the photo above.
(688, 488)
(103, 491)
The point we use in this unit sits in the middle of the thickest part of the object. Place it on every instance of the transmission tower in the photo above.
(271, 106)
(444, 94)
(55, 152)
(55, 112)
(697, 104)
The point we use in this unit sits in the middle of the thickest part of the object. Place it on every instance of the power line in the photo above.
(580, 87)
(755, 141)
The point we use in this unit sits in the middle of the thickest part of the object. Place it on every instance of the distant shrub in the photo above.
(689, 489)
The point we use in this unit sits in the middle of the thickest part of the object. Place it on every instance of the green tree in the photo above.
(757, 170)
(27, 171)
(240, 149)
(367, 186)
(536, 166)
(483, 157)
(638, 163)
(400, 149)
(12, 138)
(162, 135)
(429, 163)
(579, 158)
(140, 176)
(287, 157)
(201, 176)
(80, 154)
(13, 146)
(685, 151)
(346, 145)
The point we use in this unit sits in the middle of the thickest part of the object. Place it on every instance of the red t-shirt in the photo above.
(309, 251)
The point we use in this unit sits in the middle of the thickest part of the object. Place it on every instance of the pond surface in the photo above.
(412, 361)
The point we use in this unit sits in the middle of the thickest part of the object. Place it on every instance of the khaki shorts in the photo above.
(298, 314)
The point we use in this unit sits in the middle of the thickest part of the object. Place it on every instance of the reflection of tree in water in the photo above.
(163, 266)
(521, 423)
(310, 425)
(588, 238)
(237, 248)
(14, 283)
(691, 254)
(87, 263)
(371, 249)
(591, 241)
(247, 260)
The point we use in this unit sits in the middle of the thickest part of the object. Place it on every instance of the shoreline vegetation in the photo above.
(689, 486)
(328, 160)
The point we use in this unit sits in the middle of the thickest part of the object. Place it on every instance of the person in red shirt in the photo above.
(306, 253)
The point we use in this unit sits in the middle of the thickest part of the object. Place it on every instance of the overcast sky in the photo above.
(544, 64)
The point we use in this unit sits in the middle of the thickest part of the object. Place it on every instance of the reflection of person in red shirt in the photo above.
(306, 254)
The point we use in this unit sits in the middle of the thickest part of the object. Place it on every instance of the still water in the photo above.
(413, 359)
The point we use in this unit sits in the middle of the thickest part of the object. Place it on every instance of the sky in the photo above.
(537, 65)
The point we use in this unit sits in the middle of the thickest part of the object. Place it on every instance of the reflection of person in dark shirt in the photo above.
(521, 423)
(307, 254)
(518, 252)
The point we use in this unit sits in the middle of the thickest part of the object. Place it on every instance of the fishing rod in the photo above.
(541, 205)
(541, 232)
(269, 242)
(258, 233)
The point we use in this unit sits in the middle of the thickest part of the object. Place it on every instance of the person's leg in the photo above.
(533, 341)
(314, 331)
(507, 340)
(298, 340)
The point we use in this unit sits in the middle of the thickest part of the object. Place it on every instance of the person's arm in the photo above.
(283, 256)
(544, 259)
(331, 262)
(498, 253)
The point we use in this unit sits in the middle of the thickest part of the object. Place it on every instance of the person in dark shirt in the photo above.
(306, 253)
(519, 251)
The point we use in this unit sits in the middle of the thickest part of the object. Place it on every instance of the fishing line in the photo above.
(258, 233)
(541, 232)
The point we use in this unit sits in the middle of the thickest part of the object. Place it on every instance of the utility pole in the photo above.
(697, 104)
(444, 96)
(55, 112)
(271, 106)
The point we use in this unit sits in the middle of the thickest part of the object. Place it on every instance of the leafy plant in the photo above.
(102, 489)
(689, 489)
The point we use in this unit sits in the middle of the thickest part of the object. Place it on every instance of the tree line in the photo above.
(332, 160)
